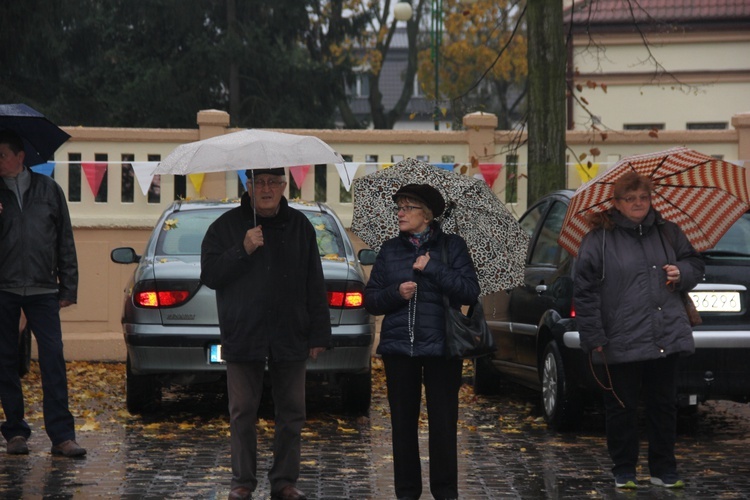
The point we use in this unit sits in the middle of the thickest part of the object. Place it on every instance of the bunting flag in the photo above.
(95, 173)
(586, 172)
(197, 181)
(144, 174)
(490, 171)
(444, 166)
(347, 171)
(299, 173)
(243, 178)
(371, 168)
(44, 168)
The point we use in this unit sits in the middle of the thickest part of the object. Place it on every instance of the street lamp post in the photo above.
(436, 38)
(402, 12)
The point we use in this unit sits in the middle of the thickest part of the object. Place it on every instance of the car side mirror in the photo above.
(367, 256)
(124, 255)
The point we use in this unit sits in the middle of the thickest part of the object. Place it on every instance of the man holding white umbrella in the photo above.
(262, 259)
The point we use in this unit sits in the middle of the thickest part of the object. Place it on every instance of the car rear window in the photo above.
(183, 232)
(330, 242)
(737, 238)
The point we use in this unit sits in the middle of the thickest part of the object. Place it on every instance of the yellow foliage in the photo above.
(472, 39)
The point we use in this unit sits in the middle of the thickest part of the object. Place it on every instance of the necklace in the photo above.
(412, 320)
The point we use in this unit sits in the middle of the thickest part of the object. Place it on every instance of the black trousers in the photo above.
(442, 380)
(657, 380)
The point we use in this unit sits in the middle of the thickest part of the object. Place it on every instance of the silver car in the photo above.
(170, 320)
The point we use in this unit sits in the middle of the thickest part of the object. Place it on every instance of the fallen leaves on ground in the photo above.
(97, 399)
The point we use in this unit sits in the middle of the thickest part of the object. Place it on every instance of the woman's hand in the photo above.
(421, 262)
(673, 273)
(407, 289)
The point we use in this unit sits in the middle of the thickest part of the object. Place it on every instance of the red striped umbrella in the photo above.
(701, 194)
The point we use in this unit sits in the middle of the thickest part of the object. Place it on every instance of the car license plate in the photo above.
(716, 301)
(214, 354)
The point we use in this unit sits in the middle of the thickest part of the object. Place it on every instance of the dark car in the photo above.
(538, 344)
(170, 320)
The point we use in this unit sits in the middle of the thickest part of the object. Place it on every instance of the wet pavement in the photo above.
(505, 449)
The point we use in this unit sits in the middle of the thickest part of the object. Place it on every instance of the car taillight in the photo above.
(572, 310)
(345, 299)
(164, 293)
(345, 295)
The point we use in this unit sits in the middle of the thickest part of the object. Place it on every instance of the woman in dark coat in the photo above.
(629, 273)
(407, 284)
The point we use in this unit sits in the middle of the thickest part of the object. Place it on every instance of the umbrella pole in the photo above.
(252, 196)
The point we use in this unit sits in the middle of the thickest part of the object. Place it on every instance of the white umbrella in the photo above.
(247, 149)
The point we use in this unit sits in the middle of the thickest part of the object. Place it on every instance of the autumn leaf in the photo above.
(595, 151)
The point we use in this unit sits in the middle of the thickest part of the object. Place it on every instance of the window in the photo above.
(511, 179)
(101, 193)
(707, 126)
(320, 182)
(127, 186)
(74, 177)
(417, 88)
(154, 190)
(546, 250)
(344, 195)
(643, 126)
(361, 85)
(185, 231)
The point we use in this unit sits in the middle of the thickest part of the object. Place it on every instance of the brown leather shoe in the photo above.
(289, 492)
(17, 446)
(241, 493)
(68, 448)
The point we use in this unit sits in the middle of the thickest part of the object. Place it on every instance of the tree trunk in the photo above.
(546, 120)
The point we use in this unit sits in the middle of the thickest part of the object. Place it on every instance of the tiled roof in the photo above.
(597, 12)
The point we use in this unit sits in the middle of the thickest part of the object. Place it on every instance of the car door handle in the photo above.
(540, 289)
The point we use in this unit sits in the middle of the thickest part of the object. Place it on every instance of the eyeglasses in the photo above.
(273, 183)
(631, 199)
(405, 208)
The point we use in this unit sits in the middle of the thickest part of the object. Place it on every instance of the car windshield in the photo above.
(182, 233)
(736, 240)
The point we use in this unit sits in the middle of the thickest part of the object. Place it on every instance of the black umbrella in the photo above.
(41, 137)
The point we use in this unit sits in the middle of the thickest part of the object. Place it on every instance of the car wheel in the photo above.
(562, 404)
(486, 380)
(356, 392)
(142, 392)
(24, 351)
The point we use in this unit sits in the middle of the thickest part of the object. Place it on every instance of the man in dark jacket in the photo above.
(262, 259)
(39, 274)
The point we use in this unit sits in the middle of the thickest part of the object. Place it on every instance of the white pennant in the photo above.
(144, 173)
(346, 173)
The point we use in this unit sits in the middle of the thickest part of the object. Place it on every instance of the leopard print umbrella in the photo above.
(496, 241)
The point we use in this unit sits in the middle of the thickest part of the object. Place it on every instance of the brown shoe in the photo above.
(289, 492)
(241, 493)
(68, 448)
(17, 446)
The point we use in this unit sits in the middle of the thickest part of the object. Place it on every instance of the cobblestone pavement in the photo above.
(505, 450)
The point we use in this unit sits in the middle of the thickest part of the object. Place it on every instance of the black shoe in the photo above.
(241, 493)
(17, 446)
(289, 492)
(68, 448)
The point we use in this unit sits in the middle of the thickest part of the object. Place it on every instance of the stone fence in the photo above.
(114, 201)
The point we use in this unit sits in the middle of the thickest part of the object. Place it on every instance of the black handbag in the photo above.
(466, 336)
